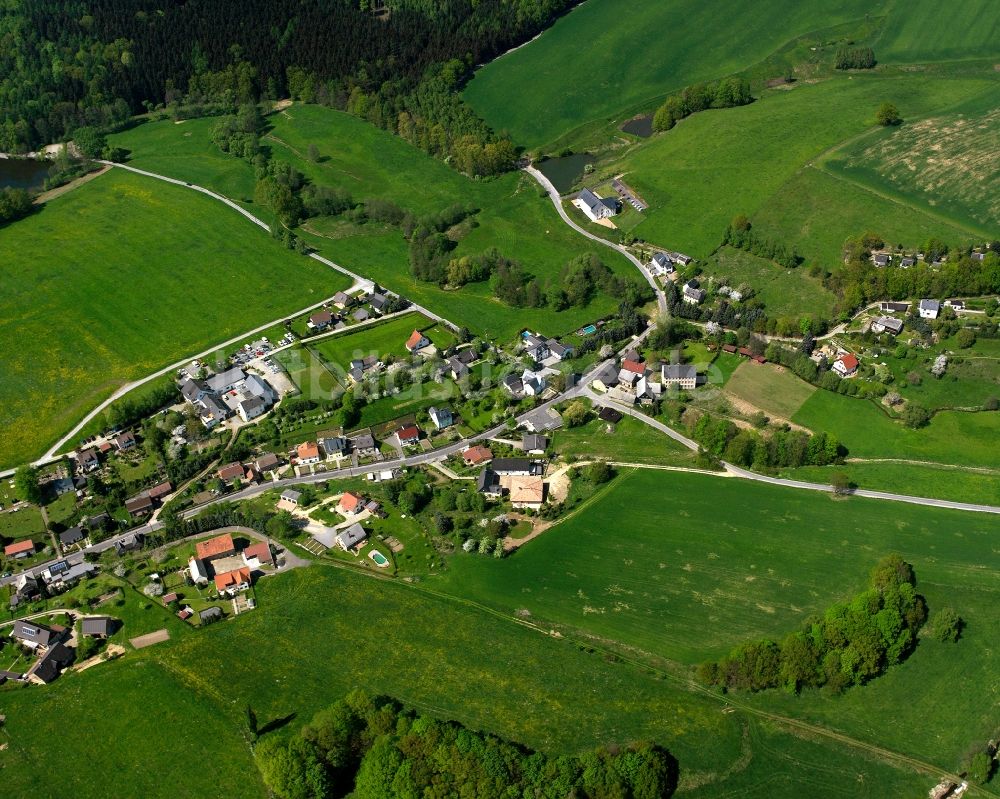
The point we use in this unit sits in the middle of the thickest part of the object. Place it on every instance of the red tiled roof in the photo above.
(21, 546)
(414, 339)
(307, 450)
(728, 348)
(849, 361)
(229, 579)
(220, 545)
(351, 501)
(231, 471)
(410, 431)
(160, 490)
(634, 366)
(260, 550)
(477, 454)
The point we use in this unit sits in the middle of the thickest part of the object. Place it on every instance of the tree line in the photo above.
(851, 643)
(727, 93)
(374, 748)
(855, 58)
(740, 234)
(779, 447)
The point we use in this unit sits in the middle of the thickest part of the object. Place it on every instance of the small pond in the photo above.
(640, 126)
(565, 171)
(22, 173)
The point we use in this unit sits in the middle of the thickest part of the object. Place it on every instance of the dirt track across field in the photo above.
(150, 638)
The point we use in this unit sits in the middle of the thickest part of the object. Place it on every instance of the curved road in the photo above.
(661, 298)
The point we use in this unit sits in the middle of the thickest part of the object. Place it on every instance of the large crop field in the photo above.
(320, 633)
(685, 566)
(771, 388)
(118, 278)
(370, 163)
(609, 57)
(717, 164)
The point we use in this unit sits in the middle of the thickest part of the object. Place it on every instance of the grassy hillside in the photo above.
(719, 561)
(609, 56)
(720, 163)
(370, 163)
(122, 276)
(918, 31)
(300, 651)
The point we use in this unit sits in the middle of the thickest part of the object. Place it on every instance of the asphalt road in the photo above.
(661, 299)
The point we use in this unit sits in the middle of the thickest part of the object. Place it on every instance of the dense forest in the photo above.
(70, 63)
(375, 749)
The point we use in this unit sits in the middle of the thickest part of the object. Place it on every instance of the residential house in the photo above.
(929, 309)
(26, 589)
(887, 324)
(231, 472)
(225, 381)
(441, 417)
(140, 505)
(131, 542)
(160, 490)
(257, 555)
(60, 576)
(221, 546)
(417, 341)
(894, 307)
(307, 453)
(661, 265)
(680, 258)
(169, 599)
(211, 412)
(267, 462)
(526, 492)
(379, 302)
(289, 499)
(533, 383)
(334, 446)
(458, 369)
(350, 537)
(363, 443)
(74, 535)
(594, 207)
(360, 315)
(125, 441)
(251, 408)
(350, 504)
(542, 419)
(99, 521)
(88, 460)
(34, 636)
(233, 582)
(477, 455)
(50, 666)
(977, 256)
(198, 572)
(342, 300)
(513, 384)
(320, 320)
(845, 365)
(516, 466)
(408, 435)
(609, 415)
(684, 376)
(534, 444)
(97, 627)
(535, 347)
(907, 261)
(632, 370)
(881, 258)
(692, 294)
(559, 350)
(606, 378)
(488, 483)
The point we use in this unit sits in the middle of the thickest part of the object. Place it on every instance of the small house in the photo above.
(307, 453)
(661, 265)
(532, 383)
(36, 637)
(139, 506)
(125, 441)
(88, 460)
(516, 466)
(341, 300)
(559, 350)
(130, 542)
(352, 536)
(441, 417)
(233, 582)
(887, 324)
(596, 208)
(408, 435)
(320, 320)
(378, 302)
(881, 259)
(289, 499)
(534, 444)
(417, 341)
(231, 472)
(845, 365)
(267, 462)
(683, 376)
(364, 444)
(513, 384)
(527, 492)
(609, 415)
(535, 347)
(74, 535)
(221, 546)
(488, 483)
(160, 490)
(350, 504)
(198, 572)
(97, 627)
(692, 294)
(929, 309)
(257, 555)
(334, 446)
(477, 455)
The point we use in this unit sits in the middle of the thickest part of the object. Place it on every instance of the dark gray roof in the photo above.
(334, 444)
(502, 465)
(214, 612)
(71, 536)
(930, 305)
(35, 633)
(531, 441)
(488, 481)
(352, 536)
(363, 441)
(97, 625)
(223, 380)
(679, 371)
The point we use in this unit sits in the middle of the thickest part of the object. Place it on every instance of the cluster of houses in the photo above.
(232, 572)
(543, 353)
(219, 396)
(519, 480)
(145, 502)
(88, 459)
(54, 579)
(343, 306)
(664, 264)
(635, 381)
(926, 309)
(48, 644)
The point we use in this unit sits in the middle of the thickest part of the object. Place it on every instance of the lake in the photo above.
(565, 171)
(23, 173)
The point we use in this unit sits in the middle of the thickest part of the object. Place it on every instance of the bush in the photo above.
(946, 625)
(888, 115)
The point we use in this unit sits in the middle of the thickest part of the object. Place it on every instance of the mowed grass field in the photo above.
(119, 278)
(629, 441)
(684, 566)
(771, 388)
(918, 31)
(385, 339)
(956, 437)
(513, 215)
(608, 57)
(717, 164)
(322, 632)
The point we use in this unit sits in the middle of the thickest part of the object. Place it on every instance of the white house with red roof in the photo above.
(846, 365)
(417, 341)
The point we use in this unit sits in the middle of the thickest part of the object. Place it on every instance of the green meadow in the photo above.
(683, 567)
(918, 31)
(608, 58)
(956, 437)
(119, 278)
(369, 163)
(384, 339)
(773, 389)
(322, 632)
(720, 163)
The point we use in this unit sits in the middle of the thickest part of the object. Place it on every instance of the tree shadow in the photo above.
(276, 724)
